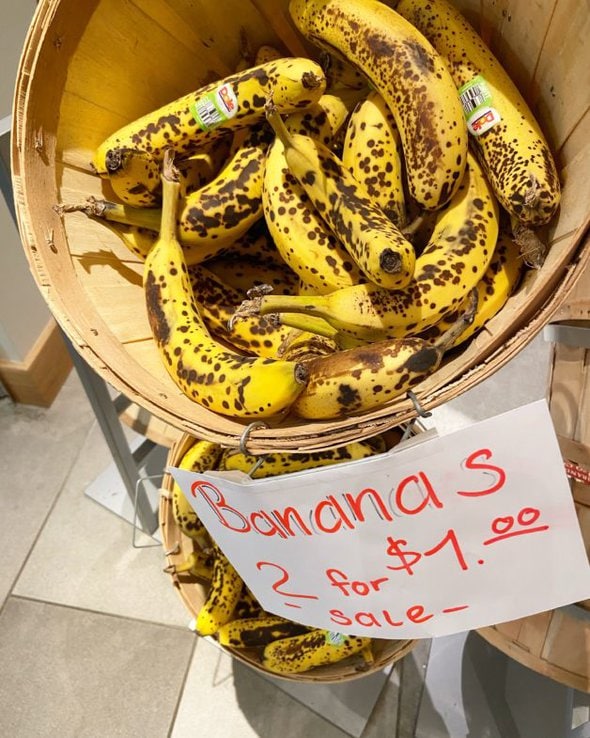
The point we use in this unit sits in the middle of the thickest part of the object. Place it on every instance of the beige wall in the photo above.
(23, 312)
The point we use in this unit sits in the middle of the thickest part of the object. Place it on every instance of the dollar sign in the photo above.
(407, 558)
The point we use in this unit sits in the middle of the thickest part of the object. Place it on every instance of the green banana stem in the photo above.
(308, 324)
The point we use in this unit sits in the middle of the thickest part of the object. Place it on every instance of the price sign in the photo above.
(457, 532)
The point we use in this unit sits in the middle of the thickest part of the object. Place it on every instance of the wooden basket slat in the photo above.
(563, 82)
(576, 141)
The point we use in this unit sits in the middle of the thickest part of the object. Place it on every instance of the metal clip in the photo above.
(418, 407)
(244, 441)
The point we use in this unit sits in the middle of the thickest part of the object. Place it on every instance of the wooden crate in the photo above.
(88, 68)
(193, 593)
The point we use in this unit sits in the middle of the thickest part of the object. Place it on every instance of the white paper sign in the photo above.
(459, 532)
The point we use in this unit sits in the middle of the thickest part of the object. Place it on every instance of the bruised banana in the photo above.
(213, 217)
(254, 632)
(202, 456)
(287, 463)
(412, 78)
(302, 346)
(134, 177)
(303, 240)
(257, 336)
(211, 375)
(374, 243)
(493, 290)
(372, 153)
(366, 378)
(217, 109)
(460, 249)
(513, 151)
(222, 597)
(304, 652)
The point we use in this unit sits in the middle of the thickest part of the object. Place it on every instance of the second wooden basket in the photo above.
(192, 592)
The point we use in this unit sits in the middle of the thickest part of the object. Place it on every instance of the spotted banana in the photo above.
(363, 379)
(494, 288)
(204, 370)
(304, 241)
(372, 153)
(218, 109)
(255, 632)
(513, 151)
(304, 652)
(412, 78)
(374, 243)
(460, 249)
(201, 456)
(222, 597)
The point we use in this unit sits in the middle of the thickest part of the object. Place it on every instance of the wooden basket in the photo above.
(178, 546)
(557, 643)
(90, 67)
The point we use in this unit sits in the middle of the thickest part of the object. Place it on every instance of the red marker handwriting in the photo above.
(503, 526)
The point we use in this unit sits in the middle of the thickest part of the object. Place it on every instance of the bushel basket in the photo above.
(89, 68)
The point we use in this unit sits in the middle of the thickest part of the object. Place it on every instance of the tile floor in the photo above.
(93, 640)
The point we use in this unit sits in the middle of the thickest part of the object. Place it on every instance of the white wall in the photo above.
(23, 312)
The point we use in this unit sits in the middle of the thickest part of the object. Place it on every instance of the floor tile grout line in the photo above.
(47, 516)
(92, 611)
(182, 688)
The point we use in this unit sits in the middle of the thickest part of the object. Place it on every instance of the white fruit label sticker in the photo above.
(215, 107)
(479, 112)
(439, 536)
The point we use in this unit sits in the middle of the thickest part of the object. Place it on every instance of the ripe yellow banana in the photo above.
(218, 108)
(255, 632)
(288, 463)
(257, 336)
(493, 290)
(412, 78)
(339, 73)
(373, 155)
(202, 456)
(222, 597)
(207, 372)
(304, 652)
(201, 168)
(374, 243)
(302, 346)
(366, 378)
(454, 261)
(513, 151)
(304, 241)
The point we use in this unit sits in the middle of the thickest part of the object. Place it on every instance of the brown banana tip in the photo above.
(390, 261)
(301, 374)
(311, 81)
(532, 249)
(113, 160)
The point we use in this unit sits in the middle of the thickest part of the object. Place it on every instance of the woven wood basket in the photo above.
(557, 643)
(88, 68)
(193, 593)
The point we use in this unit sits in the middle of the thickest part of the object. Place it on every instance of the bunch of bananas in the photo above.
(324, 233)
(230, 613)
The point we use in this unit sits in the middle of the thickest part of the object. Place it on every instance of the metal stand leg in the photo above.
(126, 461)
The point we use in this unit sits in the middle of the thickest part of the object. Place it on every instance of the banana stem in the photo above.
(170, 195)
(278, 124)
(148, 218)
(309, 324)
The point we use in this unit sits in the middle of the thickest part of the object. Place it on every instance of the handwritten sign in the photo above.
(458, 532)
